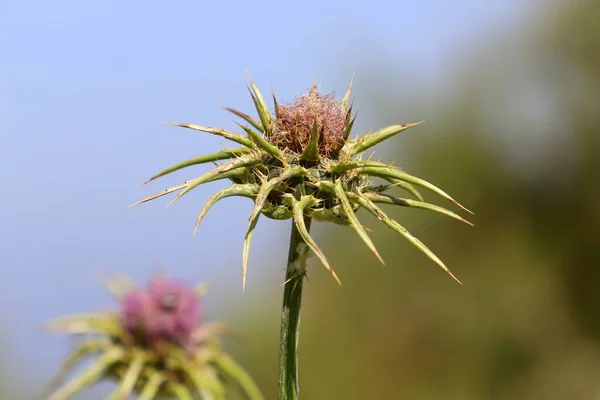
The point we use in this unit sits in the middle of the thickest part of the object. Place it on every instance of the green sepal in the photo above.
(87, 348)
(90, 375)
(247, 242)
(221, 155)
(107, 324)
(259, 202)
(241, 162)
(396, 183)
(131, 377)
(275, 103)
(345, 166)
(260, 142)
(234, 137)
(299, 206)
(202, 376)
(232, 369)
(261, 106)
(379, 214)
(347, 131)
(207, 383)
(233, 175)
(353, 220)
(389, 199)
(346, 98)
(311, 152)
(154, 380)
(247, 118)
(387, 171)
(118, 286)
(243, 190)
(365, 142)
(280, 212)
(178, 390)
(334, 214)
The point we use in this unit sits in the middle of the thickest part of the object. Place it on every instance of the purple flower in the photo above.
(165, 309)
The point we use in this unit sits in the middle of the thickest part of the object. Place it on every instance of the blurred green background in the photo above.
(513, 134)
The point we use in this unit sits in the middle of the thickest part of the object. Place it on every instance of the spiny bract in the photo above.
(301, 163)
(156, 346)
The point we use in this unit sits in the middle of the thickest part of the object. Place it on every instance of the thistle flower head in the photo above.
(300, 162)
(294, 123)
(155, 346)
(165, 310)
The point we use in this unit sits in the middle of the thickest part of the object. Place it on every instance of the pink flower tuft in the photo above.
(294, 122)
(165, 309)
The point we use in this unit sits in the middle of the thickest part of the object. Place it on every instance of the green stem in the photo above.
(290, 316)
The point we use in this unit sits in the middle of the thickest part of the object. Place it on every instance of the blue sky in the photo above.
(84, 87)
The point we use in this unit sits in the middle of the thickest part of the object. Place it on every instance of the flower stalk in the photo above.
(290, 314)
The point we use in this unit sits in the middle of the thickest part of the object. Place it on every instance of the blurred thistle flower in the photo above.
(155, 346)
(301, 163)
(165, 310)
